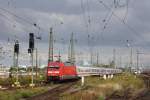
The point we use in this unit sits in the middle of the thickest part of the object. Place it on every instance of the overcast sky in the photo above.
(108, 24)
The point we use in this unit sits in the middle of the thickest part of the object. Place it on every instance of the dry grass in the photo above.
(18, 94)
(97, 88)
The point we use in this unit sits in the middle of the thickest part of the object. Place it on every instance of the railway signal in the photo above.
(30, 51)
(31, 42)
(16, 47)
(16, 54)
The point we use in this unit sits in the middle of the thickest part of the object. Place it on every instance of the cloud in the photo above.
(67, 16)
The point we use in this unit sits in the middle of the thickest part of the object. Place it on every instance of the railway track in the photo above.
(145, 93)
(54, 93)
(146, 78)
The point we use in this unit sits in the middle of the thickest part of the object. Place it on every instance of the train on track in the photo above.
(58, 70)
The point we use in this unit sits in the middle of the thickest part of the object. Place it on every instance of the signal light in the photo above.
(16, 47)
(29, 50)
(31, 41)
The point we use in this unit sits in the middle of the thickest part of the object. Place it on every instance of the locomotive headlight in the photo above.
(50, 72)
(55, 72)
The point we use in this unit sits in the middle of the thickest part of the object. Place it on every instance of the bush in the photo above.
(24, 80)
(6, 81)
(19, 94)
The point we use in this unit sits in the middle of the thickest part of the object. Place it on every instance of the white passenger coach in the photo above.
(87, 71)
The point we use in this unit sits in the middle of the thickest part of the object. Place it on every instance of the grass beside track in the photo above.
(97, 88)
(18, 94)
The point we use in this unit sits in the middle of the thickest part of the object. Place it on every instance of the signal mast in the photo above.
(71, 53)
(50, 54)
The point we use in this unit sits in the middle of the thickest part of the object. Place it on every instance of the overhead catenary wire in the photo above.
(90, 24)
(10, 3)
(13, 24)
(88, 13)
(84, 15)
(110, 14)
(91, 39)
(107, 20)
(127, 25)
(5, 17)
(87, 19)
(26, 21)
(5, 10)
(22, 19)
(126, 13)
(117, 4)
(107, 15)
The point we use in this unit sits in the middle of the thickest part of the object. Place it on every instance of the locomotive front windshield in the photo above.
(54, 67)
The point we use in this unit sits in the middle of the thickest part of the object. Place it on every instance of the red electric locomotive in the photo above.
(58, 70)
